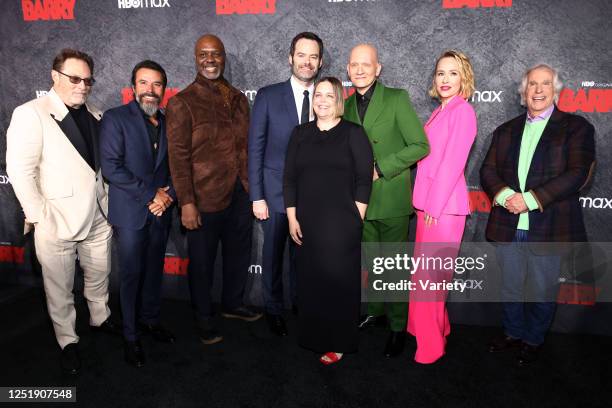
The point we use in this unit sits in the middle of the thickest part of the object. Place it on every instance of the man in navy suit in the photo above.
(133, 148)
(277, 110)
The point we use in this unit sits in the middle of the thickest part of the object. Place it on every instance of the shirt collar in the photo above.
(368, 95)
(542, 116)
(298, 89)
(80, 109)
(211, 83)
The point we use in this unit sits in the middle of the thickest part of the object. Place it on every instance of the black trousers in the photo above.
(232, 227)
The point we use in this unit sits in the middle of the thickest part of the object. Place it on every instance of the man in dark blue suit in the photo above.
(133, 150)
(278, 109)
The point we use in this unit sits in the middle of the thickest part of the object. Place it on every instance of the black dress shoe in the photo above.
(367, 321)
(158, 332)
(395, 344)
(109, 327)
(133, 353)
(277, 324)
(503, 343)
(242, 313)
(70, 361)
(527, 354)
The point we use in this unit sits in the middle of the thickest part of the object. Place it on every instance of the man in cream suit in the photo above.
(52, 161)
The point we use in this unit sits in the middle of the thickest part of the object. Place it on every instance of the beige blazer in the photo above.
(58, 191)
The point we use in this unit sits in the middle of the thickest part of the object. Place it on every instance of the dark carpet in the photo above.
(252, 368)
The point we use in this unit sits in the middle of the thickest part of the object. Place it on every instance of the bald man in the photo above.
(207, 128)
(398, 141)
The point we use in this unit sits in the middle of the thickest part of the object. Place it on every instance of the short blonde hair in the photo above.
(468, 85)
(338, 92)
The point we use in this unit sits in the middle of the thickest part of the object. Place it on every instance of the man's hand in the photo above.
(260, 210)
(156, 209)
(516, 204)
(375, 174)
(162, 198)
(190, 217)
(160, 202)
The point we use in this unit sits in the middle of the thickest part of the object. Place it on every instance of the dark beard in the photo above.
(296, 73)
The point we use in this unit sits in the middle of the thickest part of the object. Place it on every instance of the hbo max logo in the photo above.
(487, 96)
(123, 4)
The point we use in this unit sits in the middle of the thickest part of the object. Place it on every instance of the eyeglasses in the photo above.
(77, 80)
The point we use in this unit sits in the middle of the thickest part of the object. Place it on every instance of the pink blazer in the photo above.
(440, 186)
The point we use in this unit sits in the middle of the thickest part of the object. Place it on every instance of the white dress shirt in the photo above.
(298, 95)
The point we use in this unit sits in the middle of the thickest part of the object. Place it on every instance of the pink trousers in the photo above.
(427, 315)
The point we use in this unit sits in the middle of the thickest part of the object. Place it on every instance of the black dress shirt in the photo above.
(363, 101)
(82, 119)
(153, 134)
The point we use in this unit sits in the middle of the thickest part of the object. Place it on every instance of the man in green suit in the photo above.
(398, 141)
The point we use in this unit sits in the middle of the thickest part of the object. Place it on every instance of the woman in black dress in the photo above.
(327, 183)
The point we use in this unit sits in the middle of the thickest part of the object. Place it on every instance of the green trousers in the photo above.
(388, 230)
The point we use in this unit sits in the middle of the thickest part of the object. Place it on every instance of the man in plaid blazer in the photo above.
(533, 172)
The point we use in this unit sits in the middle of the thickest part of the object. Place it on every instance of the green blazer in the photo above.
(398, 141)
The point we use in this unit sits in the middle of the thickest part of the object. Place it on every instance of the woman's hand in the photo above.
(362, 207)
(430, 220)
(294, 226)
(375, 174)
(295, 231)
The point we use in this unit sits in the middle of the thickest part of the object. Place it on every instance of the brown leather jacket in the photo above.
(207, 127)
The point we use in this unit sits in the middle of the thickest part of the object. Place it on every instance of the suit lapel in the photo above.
(142, 132)
(434, 115)
(350, 110)
(93, 131)
(551, 130)
(290, 104)
(94, 127)
(71, 130)
(439, 113)
(162, 148)
(516, 136)
(375, 107)
(68, 127)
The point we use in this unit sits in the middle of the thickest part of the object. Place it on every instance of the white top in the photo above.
(298, 95)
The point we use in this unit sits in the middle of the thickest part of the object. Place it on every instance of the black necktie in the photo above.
(305, 118)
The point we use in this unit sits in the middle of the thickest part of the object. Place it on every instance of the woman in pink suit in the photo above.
(441, 198)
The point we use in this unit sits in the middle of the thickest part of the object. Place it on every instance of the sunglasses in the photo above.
(77, 80)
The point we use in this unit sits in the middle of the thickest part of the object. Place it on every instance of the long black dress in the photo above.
(325, 173)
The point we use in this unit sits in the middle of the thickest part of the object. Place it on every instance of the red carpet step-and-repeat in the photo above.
(502, 37)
